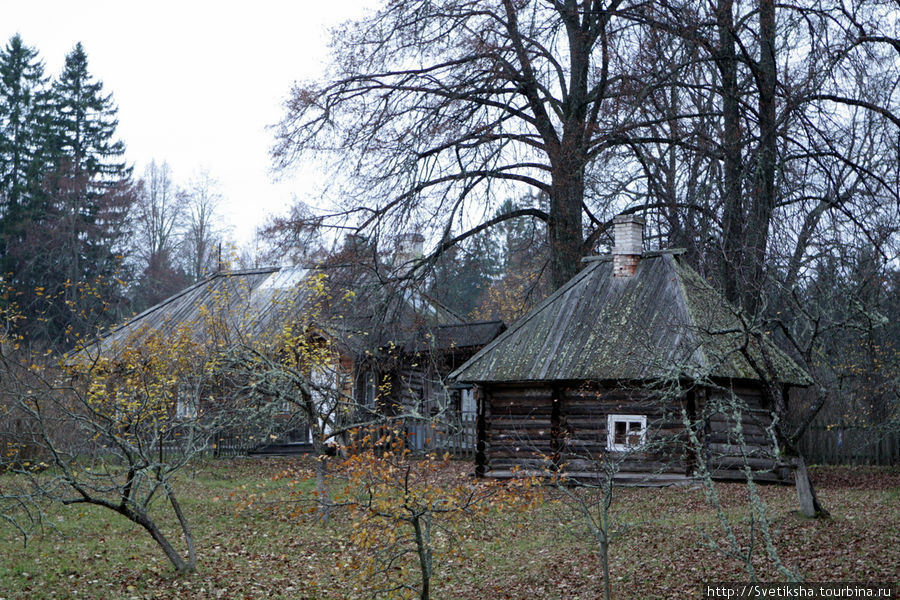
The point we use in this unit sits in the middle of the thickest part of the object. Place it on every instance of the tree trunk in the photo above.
(759, 216)
(806, 493)
(604, 563)
(422, 526)
(186, 529)
(733, 207)
(174, 557)
(322, 496)
(569, 156)
(564, 225)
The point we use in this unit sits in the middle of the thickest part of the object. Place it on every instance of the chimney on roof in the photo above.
(628, 235)
(410, 247)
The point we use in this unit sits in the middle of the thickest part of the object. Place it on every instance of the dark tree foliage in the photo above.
(23, 128)
(65, 227)
(463, 275)
(84, 124)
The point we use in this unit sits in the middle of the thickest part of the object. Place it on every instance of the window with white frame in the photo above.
(186, 407)
(284, 407)
(468, 407)
(626, 432)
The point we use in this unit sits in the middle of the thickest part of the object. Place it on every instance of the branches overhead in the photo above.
(721, 118)
(441, 110)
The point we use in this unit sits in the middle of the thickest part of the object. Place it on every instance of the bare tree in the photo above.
(731, 120)
(203, 231)
(157, 222)
(437, 106)
(112, 432)
(792, 109)
(158, 212)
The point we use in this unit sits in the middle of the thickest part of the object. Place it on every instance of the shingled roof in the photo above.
(458, 336)
(664, 322)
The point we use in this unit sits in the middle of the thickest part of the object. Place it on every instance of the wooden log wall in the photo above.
(585, 426)
(728, 448)
(517, 429)
(539, 428)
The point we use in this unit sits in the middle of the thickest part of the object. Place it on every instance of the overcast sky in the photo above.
(196, 82)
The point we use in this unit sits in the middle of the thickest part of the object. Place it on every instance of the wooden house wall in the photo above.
(539, 428)
(412, 387)
(516, 430)
(585, 426)
(536, 428)
(727, 448)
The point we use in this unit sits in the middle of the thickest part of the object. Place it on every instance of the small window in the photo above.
(626, 432)
(468, 405)
(371, 390)
(284, 407)
(186, 408)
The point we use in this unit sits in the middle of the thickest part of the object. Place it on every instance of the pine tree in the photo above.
(85, 124)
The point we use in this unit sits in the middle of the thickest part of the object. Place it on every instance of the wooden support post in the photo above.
(556, 441)
(481, 397)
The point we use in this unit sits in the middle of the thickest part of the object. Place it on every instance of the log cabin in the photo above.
(637, 368)
(393, 347)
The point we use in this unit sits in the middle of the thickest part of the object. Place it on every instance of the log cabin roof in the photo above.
(247, 304)
(664, 322)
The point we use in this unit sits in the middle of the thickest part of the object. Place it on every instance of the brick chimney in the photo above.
(628, 235)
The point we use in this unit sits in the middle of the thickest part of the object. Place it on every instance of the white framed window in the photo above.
(468, 407)
(186, 407)
(186, 403)
(626, 432)
(284, 407)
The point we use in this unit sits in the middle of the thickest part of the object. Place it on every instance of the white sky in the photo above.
(196, 82)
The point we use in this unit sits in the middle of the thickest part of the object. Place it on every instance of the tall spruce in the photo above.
(23, 125)
(69, 260)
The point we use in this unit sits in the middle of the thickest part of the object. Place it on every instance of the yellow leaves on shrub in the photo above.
(140, 385)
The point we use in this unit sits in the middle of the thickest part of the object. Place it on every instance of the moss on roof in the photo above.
(663, 322)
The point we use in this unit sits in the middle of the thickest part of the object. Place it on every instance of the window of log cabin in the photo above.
(186, 408)
(468, 407)
(626, 432)
(186, 403)
(370, 390)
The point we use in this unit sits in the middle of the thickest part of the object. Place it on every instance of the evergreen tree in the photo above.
(23, 128)
(463, 274)
(85, 124)
(67, 267)
(523, 250)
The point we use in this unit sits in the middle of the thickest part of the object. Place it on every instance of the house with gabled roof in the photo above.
(618, 364)
(393, 348)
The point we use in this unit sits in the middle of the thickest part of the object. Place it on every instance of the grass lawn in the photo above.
(250, 547)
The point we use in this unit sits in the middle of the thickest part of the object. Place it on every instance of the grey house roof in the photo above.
(664, 322)
(245, 305)
(458, 336)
